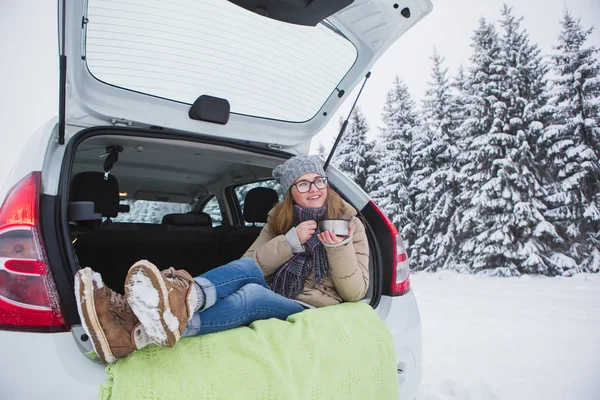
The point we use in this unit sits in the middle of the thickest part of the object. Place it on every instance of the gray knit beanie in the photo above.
(286, 173)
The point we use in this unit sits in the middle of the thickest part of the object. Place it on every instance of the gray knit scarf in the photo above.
(289, 278)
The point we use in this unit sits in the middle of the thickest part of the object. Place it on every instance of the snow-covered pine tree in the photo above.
(502, 221)
(396, 163)
(354, 154)
(462, 107)
(321, 152)
(375, 179)
(526, 238)
(574, 147)
(434, 182)
(480, 95)
(461, 80)
(459, 92)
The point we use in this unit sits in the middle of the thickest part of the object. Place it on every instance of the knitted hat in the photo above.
(286, 173)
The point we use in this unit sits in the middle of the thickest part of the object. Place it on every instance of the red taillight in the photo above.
(28, 296)
(400, 267)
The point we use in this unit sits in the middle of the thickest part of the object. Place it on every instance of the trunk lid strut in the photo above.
(63, 74)
(345, 124)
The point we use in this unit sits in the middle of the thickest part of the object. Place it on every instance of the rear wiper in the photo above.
(345, 123)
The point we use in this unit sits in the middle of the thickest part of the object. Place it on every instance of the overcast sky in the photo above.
(449, 28)
(28, 49)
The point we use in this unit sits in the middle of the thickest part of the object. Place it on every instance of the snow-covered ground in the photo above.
(509, 338)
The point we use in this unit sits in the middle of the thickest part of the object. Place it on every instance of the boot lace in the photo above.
(119, 302)
(177, 278)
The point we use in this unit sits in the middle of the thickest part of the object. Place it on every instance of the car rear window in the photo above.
(181, 49)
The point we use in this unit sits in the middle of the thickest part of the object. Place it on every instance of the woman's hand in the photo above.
(329, 237)
(305, 230)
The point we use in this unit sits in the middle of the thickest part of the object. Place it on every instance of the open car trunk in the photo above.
(194, 213)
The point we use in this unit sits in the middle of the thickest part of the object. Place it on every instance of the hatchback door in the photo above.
(145, 62)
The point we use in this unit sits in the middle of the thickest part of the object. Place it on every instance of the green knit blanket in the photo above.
(337, 352)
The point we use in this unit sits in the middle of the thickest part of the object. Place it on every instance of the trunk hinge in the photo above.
(62, 80)
(345, 124)
(120, 122)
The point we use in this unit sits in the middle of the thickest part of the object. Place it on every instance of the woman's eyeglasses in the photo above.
(304, 186)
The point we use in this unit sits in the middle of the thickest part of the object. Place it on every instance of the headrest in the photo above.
(189, 219)
(91, 186)
(258, 203)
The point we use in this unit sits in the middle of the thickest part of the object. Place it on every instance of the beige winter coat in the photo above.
(349, 263)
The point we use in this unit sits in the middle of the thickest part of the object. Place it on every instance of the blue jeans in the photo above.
(236, 295)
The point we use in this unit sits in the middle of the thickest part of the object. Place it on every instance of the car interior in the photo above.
(163, 171)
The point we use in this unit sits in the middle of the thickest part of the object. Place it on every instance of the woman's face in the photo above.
(315, 197)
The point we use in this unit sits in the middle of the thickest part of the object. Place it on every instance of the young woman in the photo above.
(291, 266)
